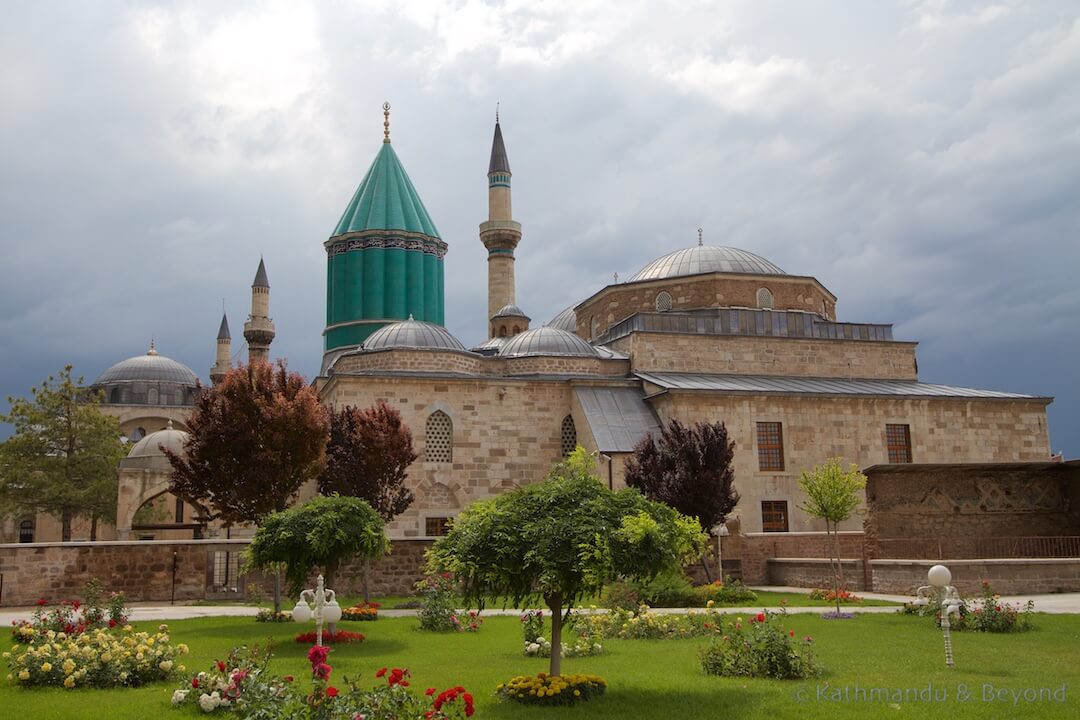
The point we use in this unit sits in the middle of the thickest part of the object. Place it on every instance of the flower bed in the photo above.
(73, 617)
(97, 658)
(268, 615)
(536, 645)
(336, 638)
(242, 686)
(361, 612)
(984, 614)
(760, 648)
(831, 596)
(644, 624)
(544, 689)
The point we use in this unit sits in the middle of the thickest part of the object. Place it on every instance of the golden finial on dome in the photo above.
(152, 350)
(699, 242)
(386, 122)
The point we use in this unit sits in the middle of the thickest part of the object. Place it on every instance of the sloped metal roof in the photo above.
(818, 386)
(618, 416)
(499, 161)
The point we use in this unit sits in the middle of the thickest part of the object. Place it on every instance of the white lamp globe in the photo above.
(939, 576)
(301, 613)
(331, 612)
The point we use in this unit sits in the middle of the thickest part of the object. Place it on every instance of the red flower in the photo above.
(429, 691)
(76, 605)
(195, 682)
(380, 672)
(791, 633)
(288, 678)
(760, 617)
(221, 666)
(112, 623)
(42, 602)
(321, 671)
(317, 654)
(331, 691)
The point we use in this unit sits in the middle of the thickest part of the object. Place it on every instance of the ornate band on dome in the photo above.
(428, 246)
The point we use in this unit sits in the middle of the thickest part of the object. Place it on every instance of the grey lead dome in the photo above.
(546, 341)
(706, 259)
(412, 334)
(149, 368)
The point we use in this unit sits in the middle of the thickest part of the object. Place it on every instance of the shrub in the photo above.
(728, 592)
(437, 602)
(762, 648)
(268, 615)
(989, 614)
(544, 689)
(73, 617)
(622, 596)
(469, 622)
(668, 589)
(647, 625)
(226, 680)
(96, 658)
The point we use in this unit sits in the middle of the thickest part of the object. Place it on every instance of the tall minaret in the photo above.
(224, 352)
(259, 329)
(500, 234)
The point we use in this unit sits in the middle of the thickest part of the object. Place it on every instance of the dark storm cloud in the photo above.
(920, 159)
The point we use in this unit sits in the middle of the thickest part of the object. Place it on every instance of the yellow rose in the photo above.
(46, 667)
(69, 682)
(165, 665)
(24, 675)
(68, 666)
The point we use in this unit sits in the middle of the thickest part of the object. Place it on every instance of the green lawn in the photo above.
(647, 679)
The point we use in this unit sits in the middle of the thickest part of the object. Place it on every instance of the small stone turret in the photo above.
(259, 329)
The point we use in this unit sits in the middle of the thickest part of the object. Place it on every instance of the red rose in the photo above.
(321, 671)
(331, 691)
(791, 633)
(429, 691)
(195, 682)
(221, 666)
(317, 654)
(112, 623)
(42, 601)
(380, 672)
(760, 617)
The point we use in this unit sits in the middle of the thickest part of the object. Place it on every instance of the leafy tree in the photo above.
(562, 540)
(254, 439)
(832, 494)
(367, 457)
(325, 532)
(62, 457)
(689, 468)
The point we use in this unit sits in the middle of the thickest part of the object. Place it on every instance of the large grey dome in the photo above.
(566, 320)
(706, 259)
(412, 334)
(150, 367)
(546, 341)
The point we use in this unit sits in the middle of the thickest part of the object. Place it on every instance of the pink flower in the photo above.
(317, 654)
(321, 671)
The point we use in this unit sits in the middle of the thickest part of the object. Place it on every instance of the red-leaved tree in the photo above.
(254, 440)
(368, 456)
(688, 468)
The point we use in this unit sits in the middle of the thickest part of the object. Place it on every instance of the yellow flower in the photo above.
(24, 675)
(128, 628)
(165, 665)
(68, 666)
(69, 682)
(46, 667)
(577, 693)
(182, 649)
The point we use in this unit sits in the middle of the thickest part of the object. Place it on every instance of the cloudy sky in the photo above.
(921, 158)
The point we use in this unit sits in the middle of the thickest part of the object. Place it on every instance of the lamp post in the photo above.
(325, 606)
(721, 532)
(939, 578)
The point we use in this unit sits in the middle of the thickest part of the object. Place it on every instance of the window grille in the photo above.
(765, 299)
(774, 516)
(436, 526)
(569, 436)
(663, 302)
(770, 443)
(440, 437)
(898, 442)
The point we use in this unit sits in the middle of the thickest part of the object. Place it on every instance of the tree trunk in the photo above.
(705, 565)
(554, 603)
(65, 526)
(330, 580)
(93, 528)
(836, 549)
(367, 572)
(838, 577)
(277, 590)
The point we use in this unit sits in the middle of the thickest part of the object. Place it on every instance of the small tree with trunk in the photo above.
(323, 532)
(561, 540)
(254, 439)
(62, 457)
(688, 468)
(832, 494)
(367, 456)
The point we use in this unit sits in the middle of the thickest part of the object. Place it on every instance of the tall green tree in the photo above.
(689, 468)
(832, 494)
(323, 532)
(368, 456)
(561, 540)
(61, 459)
(254, 439)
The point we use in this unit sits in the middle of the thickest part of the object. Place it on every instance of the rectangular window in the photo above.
(774, 516)
(770, 446)
(898, 441)
(436, 526)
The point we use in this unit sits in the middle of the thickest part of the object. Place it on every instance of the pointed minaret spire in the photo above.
(259, 329)
(500, 234)
(223, 355)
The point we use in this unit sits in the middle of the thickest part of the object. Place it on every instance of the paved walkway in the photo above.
(1059, 603)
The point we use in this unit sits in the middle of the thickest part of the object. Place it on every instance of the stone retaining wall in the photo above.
(758, 548)
(1006, 576)
(814, 573)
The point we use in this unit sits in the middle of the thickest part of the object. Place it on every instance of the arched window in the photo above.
(569, 435)
(502, 331)
(440, 437)
(114, 396)
(765, 299)
(26, 531)
(663, 301)
(594, 326)
(152, 396)
(516, 330)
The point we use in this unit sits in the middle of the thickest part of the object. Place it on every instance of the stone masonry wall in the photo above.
(757, 548)
(814, 573)
(816, 428)
(801, 357)
(1007, 577)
